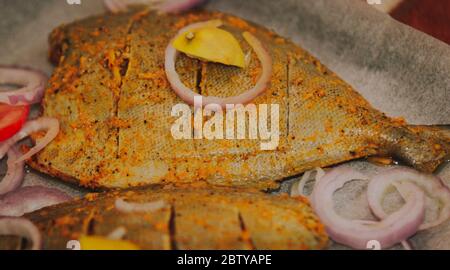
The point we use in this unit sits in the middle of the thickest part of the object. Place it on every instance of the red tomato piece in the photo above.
(12, 118)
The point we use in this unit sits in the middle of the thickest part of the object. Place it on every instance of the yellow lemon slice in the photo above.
(102, 243)
(211, 44)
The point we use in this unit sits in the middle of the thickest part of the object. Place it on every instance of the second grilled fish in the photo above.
(190, 218)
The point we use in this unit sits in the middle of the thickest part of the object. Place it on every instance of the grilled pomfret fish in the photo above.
(110, 93)
(191, 218)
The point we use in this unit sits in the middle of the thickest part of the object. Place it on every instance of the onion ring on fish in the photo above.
(117, 234)
(188, 95)
(43, 123)
(129, 207)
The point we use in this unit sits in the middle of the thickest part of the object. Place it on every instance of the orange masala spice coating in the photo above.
(113, 101)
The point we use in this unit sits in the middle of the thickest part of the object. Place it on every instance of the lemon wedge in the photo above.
(102, 243)
(211, 44)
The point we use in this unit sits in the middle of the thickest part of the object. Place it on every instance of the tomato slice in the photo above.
(12, 119)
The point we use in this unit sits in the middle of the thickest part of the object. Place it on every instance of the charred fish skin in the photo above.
(110, 93)
(193, 218)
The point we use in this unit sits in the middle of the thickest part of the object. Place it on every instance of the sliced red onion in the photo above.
(165, 6)
(21, 227)
(32, 85)
(178, 6)
(407, 245)
(118, 234)
(15, 173)
(188, 95)
(29, 199)
(43, 123)
(403, 190)
(115, 6)
(394, 229)
(431, 184)
(129, 207)
(298, 189)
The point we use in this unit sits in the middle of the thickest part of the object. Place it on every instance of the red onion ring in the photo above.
(21, 227)
(177, 6)
(299, 189)
(431, 184)
(118, 233)
(29, 199)
(395, 228)
(43, 123)
(15, 173)
(115, 6)
(129, 207)
(188, 95)
(32, 82)
(407, 245)
(165, 6)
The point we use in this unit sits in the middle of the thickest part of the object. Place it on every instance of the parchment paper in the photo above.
(401, 71)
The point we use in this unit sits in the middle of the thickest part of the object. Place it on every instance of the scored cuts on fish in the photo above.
(185, 218)
(111, 95)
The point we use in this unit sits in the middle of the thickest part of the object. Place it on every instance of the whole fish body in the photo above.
(188, 219)
(112, 98)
